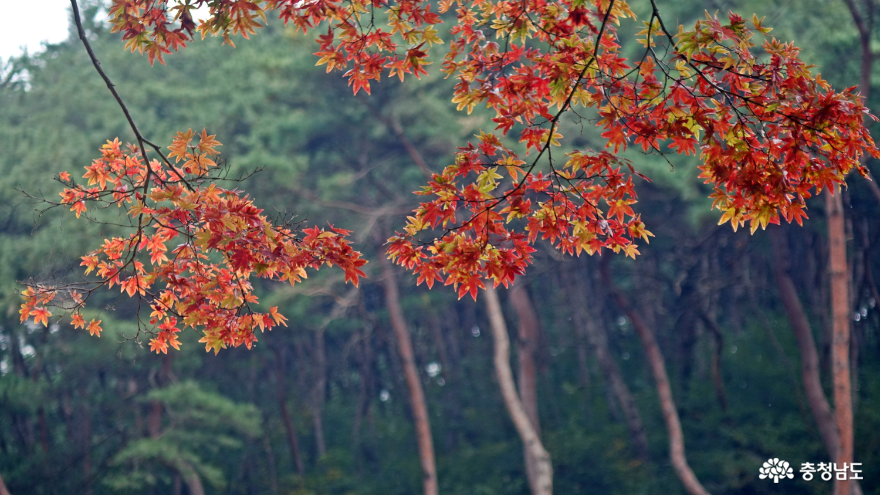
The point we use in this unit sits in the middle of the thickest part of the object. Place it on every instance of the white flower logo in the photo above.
(774, 468)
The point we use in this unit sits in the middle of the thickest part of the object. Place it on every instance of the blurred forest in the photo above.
(322, 407)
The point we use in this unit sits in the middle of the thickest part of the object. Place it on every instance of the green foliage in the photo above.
(271, 108)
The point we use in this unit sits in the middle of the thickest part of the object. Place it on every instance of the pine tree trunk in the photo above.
(664, 390)
(270, 464)
(717, 353)
(840, 318)
(190, 477)
(598, 340)
(800, 324)
(318, 392)
(289, 429)
(527, 347)
(3, 489)
(86, 442)
(417, 395)
(364, 352)
(543, 468)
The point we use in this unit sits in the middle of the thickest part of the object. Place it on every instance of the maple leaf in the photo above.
(94, 328)
(159, 345)
(41, 315)
(25, 312)
(278, 317)
(78, 321)
(558, 61)
(615, 137)
(79, 207)
(472, 286)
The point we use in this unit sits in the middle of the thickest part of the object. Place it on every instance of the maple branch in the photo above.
(728, 95)
(553, 125)
(112, 87)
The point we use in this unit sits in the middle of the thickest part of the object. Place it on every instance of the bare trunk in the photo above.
(368, 381)
(812, 382)
(3, 489)
(598, 340)
(41, 413)
(154, 420)
(440, 342)
(44, 430)
(417, 395)
(582, 346)
(86, 442)
(527, 346)
(664, 391)
(840, 316)
(717, 353)
(543, 468)
(318, 392)
(527, 351)
(190, 477)
(289, 429)
(270, 462)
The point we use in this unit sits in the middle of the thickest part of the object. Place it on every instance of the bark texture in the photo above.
(527, 348)
(543, 468)
(581, 300)
(3, 489)
(810, 377)
(417, 395)
(664, 390)
(840, 317)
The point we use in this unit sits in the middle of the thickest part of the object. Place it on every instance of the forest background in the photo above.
(321, 407)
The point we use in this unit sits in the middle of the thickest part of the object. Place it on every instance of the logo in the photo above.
(775, 469)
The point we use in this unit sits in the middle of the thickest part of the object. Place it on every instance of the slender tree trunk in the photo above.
(543, 468)
(177, 485)
(85, 435)
(363, 350)
(582, 346)
(527, 347)
(598, 340)
(451, 403)
(44, 430)
(717, 353)
(417, 395)
(433, 324)
(41, 413)
(318, 392)
(289, 429)
(270, 463)
(800, 324)
(664, 390)
(3, 489)
(840, 317)
(190, 477)
(865, 25)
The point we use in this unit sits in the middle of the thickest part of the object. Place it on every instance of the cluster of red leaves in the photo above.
(769, 132)
(222, 240)
(353, 38)
(585, 206)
